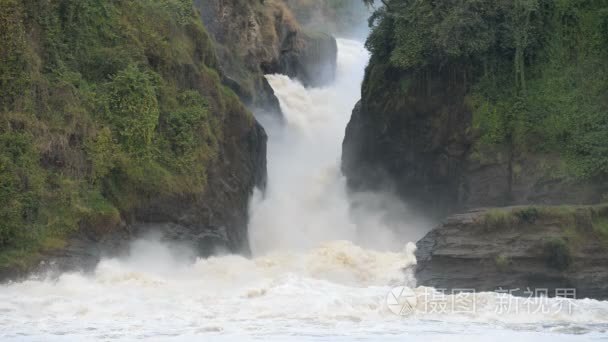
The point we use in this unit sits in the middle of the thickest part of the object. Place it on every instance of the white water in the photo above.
(306, 201)
(307, 281)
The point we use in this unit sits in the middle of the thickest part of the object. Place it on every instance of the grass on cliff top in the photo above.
(579, 225)
(577, 221)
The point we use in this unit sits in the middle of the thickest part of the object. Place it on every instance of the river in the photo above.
(324, 265)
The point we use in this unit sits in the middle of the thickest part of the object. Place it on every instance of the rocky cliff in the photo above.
(519, 248)
(413, 138)
(491, 104)
(453, 117)
(261, 37)
(114, 123)
(414, 133)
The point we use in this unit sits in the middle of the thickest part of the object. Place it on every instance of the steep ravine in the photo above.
(324, 265)
(218, 49)
(456, 115)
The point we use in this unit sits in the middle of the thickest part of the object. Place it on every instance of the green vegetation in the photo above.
(502, 262)
(103, 105)
(535, 71)
(557, 254)
(577, 223)
(499, 218)
(575, 228)
(574, 216)
(509, 217)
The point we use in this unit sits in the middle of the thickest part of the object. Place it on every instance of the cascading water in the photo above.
(306, 201)
(319, 270)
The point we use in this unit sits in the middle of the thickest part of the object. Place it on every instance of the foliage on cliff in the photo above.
(536, 71)
(103, 105)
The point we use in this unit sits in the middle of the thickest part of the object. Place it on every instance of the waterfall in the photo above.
(321, 269)
(306, 202)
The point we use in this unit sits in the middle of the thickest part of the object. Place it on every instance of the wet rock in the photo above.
(313, 62)
(517, 248)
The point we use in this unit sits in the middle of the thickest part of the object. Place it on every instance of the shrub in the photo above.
(133, 108)
(14, 76)
(186, 126)
(499, 219)
(557, 254)
(527, 215)
(502, 262)
(102, 153)
(21, 181)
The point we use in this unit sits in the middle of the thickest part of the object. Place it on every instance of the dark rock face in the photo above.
(410, 137)
(413, 132)
(261, 37)
(468, 252)
(314, 62)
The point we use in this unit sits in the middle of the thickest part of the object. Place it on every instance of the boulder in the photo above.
(519, 248)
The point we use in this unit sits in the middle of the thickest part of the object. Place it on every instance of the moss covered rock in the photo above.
(110, 111)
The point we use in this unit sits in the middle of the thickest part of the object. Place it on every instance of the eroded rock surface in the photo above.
(518, 248)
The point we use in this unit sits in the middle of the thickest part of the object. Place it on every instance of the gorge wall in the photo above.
(460, 114)
(491, 104)
(122, 119)
(114, 122)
